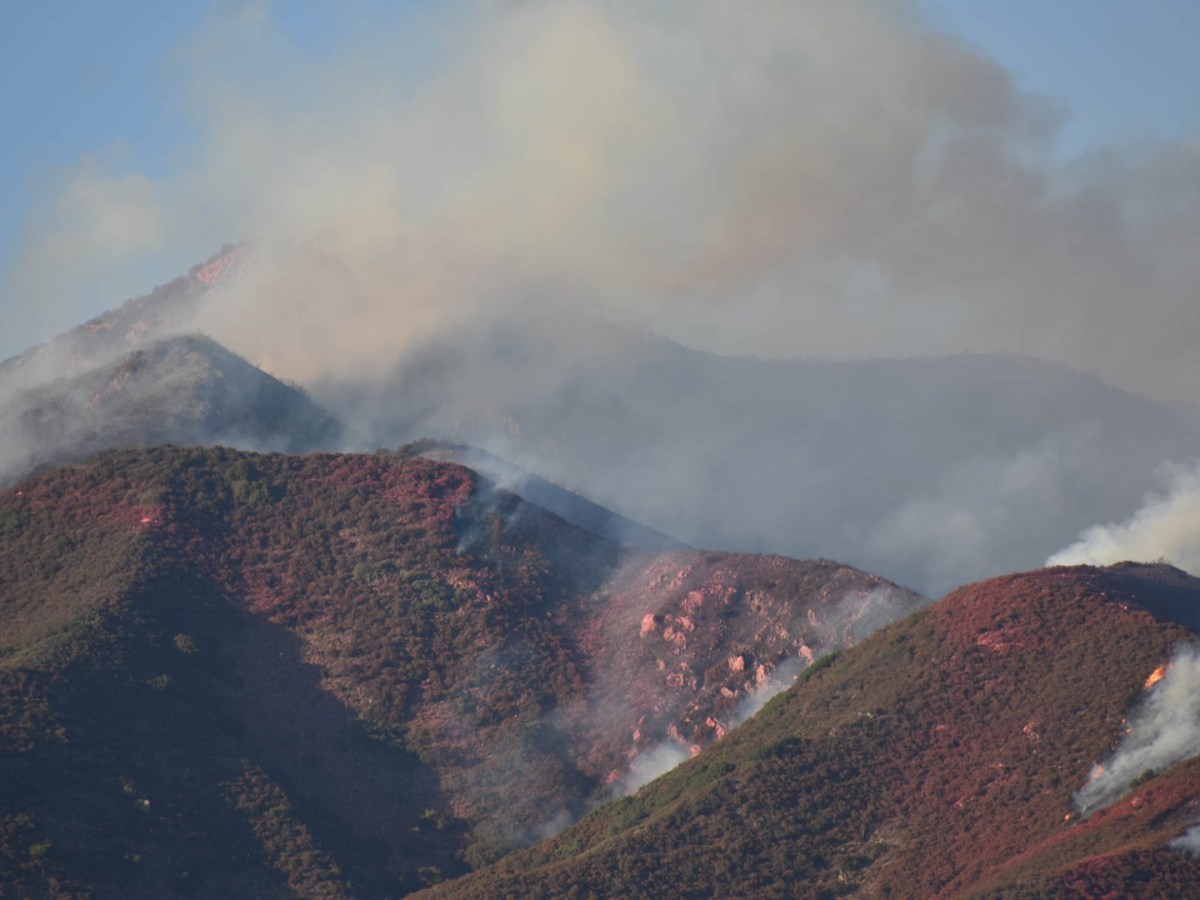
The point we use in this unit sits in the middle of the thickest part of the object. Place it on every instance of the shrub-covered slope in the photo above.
(255, 675)
(937, 758)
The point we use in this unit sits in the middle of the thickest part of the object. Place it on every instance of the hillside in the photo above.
(224, 673)
(113, 334)
(129, 378)
(937, 758)
(574, 508)
(182, 390)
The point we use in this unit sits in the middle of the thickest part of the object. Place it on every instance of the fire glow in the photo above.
(1156, 676)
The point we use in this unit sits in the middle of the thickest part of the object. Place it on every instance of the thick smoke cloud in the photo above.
(800, 179)
(1164, 730)
(1167, 527)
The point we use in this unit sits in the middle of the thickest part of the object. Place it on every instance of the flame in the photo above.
(1155, 677)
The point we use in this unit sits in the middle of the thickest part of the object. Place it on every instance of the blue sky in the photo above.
(1122, 70)
(82, 80)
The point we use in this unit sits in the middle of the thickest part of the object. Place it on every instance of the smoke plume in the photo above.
(801, 179)
(1189, 841)
(1167, 527)
(1163, 731)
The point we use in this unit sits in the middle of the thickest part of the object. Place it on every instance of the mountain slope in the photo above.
(129, 378)
(165, 310)
(184, 390)
(256, 674)
(937, 758)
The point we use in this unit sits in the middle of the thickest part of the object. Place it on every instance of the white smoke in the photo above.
(1189, 841)
(1167, 527)
(1163, 731)
(650, 764)
(782, 678)
(738, 179)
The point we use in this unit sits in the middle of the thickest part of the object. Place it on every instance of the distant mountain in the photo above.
(128, 378)
(182, 390)
(932, 471)
(113, 334)
(229, 674)
(938, 758)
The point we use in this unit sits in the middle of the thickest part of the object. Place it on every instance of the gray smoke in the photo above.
(800, 179)
(650, 764)
(1189, 841)
(782, 678)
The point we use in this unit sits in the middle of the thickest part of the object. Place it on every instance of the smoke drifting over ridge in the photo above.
(1166, 527)
(802, 179)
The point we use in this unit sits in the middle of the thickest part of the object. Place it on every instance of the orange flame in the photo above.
(1155, 677)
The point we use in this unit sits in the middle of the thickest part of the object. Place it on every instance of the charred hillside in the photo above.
(256, 675)
(939, 757)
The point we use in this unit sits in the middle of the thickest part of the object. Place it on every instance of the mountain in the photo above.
(233, 674)
(938, 758)
(183, 390)
(935, 472)
(129, 378)
(110, 335)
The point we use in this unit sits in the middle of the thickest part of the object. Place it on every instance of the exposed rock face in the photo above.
(661, 641)
(941, 757)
